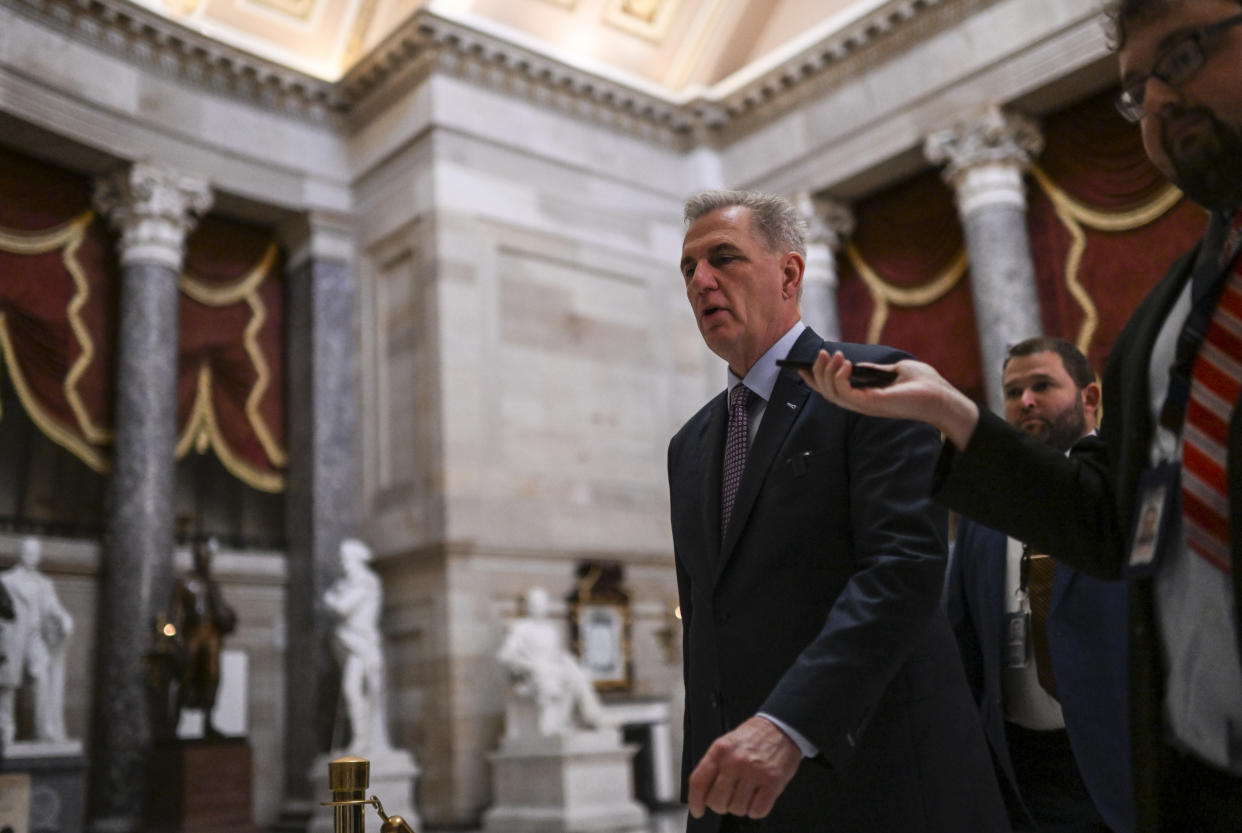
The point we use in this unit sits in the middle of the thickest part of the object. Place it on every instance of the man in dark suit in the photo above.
(823, 688)
(1044, 646)
(1171, 426)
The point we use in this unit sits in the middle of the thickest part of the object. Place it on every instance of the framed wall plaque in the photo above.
(599, 613)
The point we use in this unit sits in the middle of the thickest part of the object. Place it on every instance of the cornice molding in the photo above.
(150, 41)
(737, 105)
(430, 43)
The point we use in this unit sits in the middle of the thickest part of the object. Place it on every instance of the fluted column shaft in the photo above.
(154, 210)
(985, 160)
(830, 224)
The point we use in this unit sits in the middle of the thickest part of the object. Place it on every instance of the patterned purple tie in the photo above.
(736, 446)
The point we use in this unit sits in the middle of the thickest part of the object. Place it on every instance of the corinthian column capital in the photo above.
(154, 209)
(985, 157)
(830, 221)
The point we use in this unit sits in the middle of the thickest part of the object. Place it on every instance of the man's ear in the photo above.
(1091, 401)
(792, 267)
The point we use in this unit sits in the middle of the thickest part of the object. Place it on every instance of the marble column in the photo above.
(321, 502)
(154, 210)
(830, 224)
(985, 158)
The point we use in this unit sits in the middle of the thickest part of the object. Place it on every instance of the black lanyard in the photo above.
(1211, 273)
(1024, 569)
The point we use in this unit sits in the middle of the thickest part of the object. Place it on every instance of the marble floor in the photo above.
(662, 821)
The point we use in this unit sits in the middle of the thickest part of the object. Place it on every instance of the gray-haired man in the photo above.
(823, 687)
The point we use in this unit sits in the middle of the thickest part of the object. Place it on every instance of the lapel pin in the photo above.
(792, 406)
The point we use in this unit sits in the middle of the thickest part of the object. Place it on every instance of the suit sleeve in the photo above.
(898, 537)
(1063, 505)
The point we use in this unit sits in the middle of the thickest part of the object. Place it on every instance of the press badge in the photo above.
(1155, 515)
(1017, 638)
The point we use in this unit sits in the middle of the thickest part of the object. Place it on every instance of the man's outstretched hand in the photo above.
(918, 392)
(744, 771)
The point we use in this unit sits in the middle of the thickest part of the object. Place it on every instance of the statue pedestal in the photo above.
(200, 786)
(393, 773)
(575, 783)
(57, 772)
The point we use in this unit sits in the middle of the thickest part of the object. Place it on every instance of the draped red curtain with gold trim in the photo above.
(1104, 226)
(909, 236)
(1097, 159)
(59, 281)
(230, 370)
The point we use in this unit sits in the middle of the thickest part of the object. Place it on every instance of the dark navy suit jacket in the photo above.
(821, 608)
(1087, 640)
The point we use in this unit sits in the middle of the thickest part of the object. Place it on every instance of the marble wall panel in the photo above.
(417, 652)
(561, 138)
(574, 455)
(401, 392)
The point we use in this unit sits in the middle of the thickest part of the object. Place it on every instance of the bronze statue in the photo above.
(201, 619)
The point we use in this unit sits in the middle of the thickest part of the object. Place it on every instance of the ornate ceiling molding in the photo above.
(648, 19)
(430, 42)
(737, 105)
(486, 59)
(151, 41)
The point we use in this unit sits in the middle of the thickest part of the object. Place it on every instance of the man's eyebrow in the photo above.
(716, 248)
(1130, 76)
(1175, 36)
(1027, 378)
(723, 246)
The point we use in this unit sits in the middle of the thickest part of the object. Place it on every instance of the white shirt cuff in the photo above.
(809, 750)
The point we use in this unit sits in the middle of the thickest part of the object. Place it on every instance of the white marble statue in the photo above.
(541, 671)
(355, 601)
(34, 645)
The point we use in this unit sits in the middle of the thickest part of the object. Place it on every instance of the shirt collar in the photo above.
(761, 378)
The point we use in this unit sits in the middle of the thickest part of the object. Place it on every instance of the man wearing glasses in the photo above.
(1165, 511)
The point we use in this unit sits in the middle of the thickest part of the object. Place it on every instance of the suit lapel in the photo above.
(995, 562)
(788, 398)
(1144, 327)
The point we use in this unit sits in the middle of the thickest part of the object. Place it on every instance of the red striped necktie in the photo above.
(1215, 383)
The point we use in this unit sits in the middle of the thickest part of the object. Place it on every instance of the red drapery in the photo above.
(1103, 224)
(1096, 158)
(908, 235)
(58, 311)
(230, 370)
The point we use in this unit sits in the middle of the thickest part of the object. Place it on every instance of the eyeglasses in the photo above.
(1174, 67)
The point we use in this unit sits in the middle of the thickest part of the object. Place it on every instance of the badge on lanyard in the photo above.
(1017, 637)
(1155, 516)
(1018, 624)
